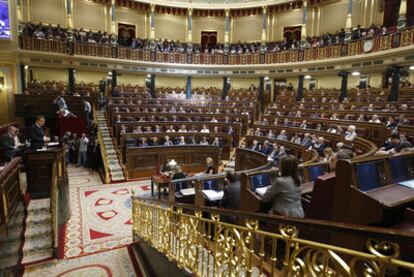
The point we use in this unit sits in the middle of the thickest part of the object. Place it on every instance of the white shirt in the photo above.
(83, 144)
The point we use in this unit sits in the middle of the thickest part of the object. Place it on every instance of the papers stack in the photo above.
(189, 191)
(409, 184)
(52, 144)
(213, 195)
(261, 191)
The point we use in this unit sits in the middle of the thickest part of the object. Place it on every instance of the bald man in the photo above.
(7, 143)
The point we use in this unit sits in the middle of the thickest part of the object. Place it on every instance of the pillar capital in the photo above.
(264, 10)
(152, 8)
(190, 11)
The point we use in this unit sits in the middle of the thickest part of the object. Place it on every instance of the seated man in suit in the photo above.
(231, 197)
(7, 143)
(36, 134)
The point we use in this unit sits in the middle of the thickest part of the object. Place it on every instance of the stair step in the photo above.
(115, 167)
(9, 261)
(40, 218)
(39, 204)
(10, 249)
(37, 256)
(117, 177)
(37, 246)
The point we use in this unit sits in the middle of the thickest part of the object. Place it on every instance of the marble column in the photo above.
(344, 85)
(299, 93)
(304, 21)
(348, 26)
(152, 22)
(402, 18)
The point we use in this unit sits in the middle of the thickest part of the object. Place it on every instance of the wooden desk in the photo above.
(161, 182)
(307, 187)
(247, 159)
(392, 196)
(10, 190)
(44, 169)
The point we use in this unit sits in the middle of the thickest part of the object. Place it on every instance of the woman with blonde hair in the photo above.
(210, 166)
(285, 191)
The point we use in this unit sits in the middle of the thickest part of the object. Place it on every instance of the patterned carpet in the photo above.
(100, 214)
(112, 263)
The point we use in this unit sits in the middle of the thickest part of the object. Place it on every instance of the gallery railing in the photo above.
(352, 48)
(202, 241)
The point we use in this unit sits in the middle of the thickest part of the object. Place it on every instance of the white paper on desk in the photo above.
(409, 184)
(189, 191)
(261, 191)
(52, 143)
(213, 195)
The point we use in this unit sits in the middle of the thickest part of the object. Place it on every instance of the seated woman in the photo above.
(285, 191)
(210, 166)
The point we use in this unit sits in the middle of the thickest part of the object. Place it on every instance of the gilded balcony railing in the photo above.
(352, 48)
(201, 241)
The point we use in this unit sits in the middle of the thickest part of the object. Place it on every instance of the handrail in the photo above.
(202, 244)
(399, 236)
(107, 178)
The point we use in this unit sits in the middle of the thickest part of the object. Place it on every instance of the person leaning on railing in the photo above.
(285, 191)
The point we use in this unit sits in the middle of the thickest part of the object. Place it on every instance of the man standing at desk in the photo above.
(36, 134)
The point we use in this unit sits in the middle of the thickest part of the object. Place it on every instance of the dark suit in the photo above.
(7, 144)
(231, 197)
(36, 135)
(231, 201)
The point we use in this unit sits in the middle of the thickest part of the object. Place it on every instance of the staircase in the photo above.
(38, 235)
(11, 239)
(109, 153)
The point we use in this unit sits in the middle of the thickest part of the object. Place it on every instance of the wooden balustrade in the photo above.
(223, 128)
(226, 141)
(33, 105)
(11, 192)
(362, 147)
(132, 117)
(375, 132)
(145, 161)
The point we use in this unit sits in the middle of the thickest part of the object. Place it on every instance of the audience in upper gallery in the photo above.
(285, 191)
(175, 46)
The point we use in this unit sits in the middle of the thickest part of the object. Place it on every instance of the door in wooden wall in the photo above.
(208, 39)
(291, 33)
(126, 33)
